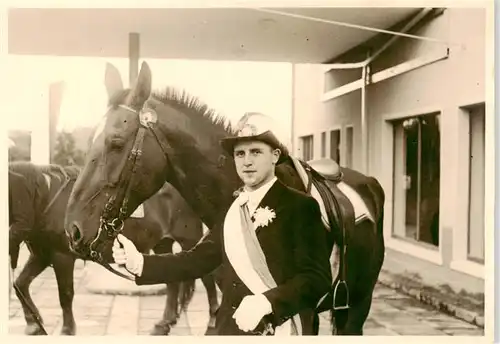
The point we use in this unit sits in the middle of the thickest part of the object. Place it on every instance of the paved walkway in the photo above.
(392, 313)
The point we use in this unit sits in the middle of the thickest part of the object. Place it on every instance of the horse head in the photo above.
(144, 140)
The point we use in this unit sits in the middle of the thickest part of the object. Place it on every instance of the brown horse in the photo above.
(148, 139)
(38, 199)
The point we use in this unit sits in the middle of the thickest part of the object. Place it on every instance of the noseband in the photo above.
(113, 217)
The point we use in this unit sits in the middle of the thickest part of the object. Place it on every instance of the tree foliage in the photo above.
(21, 151)
(65, 151)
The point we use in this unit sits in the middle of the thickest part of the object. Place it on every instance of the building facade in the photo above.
(418, 126)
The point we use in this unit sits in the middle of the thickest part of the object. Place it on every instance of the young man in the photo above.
(272, 246)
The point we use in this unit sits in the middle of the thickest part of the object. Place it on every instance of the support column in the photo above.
(293, 147)
(133, 56)
(97, 279)
(364, 120)
(364, 126)
(40, 151)
(56, 91)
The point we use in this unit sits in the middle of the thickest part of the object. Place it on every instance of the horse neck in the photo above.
(200, 171)
(289, 176)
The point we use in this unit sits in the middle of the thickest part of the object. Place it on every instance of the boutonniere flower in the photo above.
(263, 216)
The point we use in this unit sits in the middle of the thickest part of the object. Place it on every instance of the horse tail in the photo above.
(186, 292)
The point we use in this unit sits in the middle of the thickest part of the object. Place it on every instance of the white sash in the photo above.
(237, 254)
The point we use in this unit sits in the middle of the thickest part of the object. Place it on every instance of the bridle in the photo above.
(113, 217)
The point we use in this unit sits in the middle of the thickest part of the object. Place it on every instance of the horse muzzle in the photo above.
(74, 234)
(75, 237)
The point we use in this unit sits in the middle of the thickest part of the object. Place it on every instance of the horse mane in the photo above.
(32, 171)
(189, 104)
(72, 170)
(27, 169)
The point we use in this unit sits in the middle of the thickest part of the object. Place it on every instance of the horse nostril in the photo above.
(75, 234)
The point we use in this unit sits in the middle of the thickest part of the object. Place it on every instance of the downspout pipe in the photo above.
(414, 21)
(364, 119)
(365, 66)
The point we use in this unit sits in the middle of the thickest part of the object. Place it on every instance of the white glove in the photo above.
(250, 311)
(128, 255)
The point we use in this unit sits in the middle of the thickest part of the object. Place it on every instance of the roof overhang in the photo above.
(196, 33)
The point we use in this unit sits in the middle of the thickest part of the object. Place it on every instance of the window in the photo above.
(417, 178)
(307, 147)
(335, 145)
(323, 144)
(349, 133)
(475, 249)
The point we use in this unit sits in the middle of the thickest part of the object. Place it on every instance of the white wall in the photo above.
(445, 86)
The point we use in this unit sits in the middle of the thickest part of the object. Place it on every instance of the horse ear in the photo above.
(112, 80)
(142, 88)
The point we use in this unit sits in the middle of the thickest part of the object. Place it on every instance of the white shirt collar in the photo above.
(256, 196)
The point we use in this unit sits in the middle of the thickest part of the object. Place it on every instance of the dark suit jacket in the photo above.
(296, 252)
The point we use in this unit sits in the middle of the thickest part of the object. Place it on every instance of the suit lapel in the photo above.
(272, 199)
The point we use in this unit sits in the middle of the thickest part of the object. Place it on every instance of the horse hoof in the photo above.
(211, 322)
(68, 331)
(210, 331)
(33, 330)
(160, 330)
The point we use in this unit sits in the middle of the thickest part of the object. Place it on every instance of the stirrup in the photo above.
(346, 292)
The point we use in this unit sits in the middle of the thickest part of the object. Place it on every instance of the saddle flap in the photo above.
(311, 189)
(338, 208)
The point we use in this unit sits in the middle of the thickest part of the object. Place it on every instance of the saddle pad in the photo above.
(360, 209)
(139, 212)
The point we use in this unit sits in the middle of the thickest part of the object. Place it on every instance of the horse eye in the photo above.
(115, 143)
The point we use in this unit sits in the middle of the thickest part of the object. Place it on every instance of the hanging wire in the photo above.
(355, 26)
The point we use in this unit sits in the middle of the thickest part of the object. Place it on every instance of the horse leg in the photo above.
(178, 294)
(64, 268)
(33, 267)
(213, 302)
(162, 327)
(358, 313)
(169, 318)
(362, 300)
(367, 258)
(187, 288)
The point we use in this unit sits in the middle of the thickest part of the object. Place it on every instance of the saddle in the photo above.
(321, 179)
(328, 168)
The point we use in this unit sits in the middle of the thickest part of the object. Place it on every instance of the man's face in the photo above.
(255, 162)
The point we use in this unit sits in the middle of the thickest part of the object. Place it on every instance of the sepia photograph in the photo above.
(259, 169)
